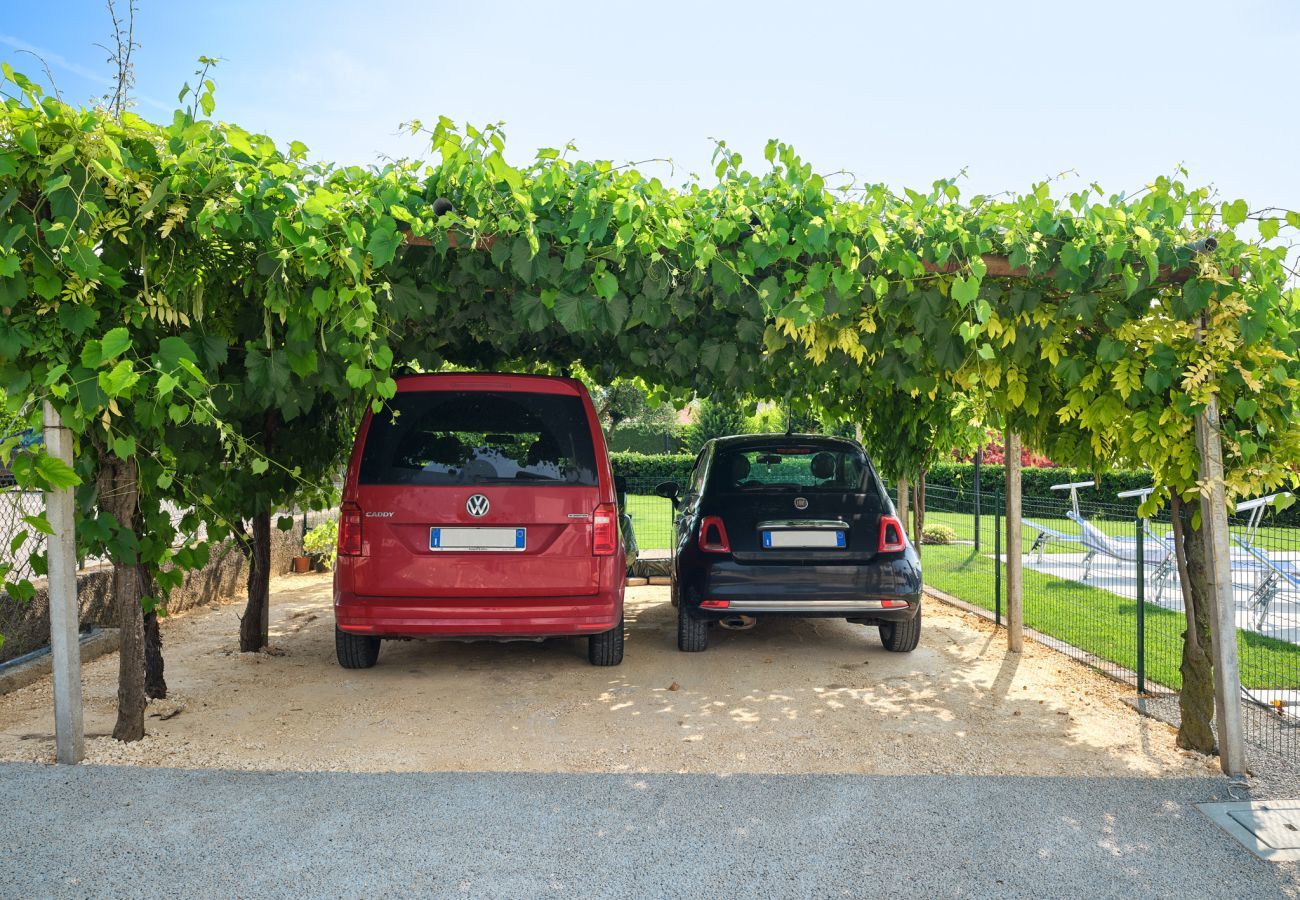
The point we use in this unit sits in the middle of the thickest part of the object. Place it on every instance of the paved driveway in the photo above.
(99, 831)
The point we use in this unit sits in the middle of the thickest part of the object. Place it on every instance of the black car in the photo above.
(790, 525)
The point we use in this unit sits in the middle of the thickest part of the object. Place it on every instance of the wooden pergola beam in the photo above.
(1000, 267)
(996, 266)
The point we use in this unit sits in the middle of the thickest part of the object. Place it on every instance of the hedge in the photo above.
(643, 470)
(643, 437)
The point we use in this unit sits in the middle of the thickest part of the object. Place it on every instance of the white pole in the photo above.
(65, 645)
(1223, 618)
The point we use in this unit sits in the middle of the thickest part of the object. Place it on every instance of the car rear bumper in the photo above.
(477, 617)
(867, 610)
(869, 591)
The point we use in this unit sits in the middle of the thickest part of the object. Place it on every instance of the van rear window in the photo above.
(479, 437)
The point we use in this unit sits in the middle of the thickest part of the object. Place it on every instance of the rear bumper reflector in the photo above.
(714, 604)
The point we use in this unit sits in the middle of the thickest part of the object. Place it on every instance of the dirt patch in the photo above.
(787, 696)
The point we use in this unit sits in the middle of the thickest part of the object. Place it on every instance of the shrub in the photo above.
(937, 534)
(323, 539)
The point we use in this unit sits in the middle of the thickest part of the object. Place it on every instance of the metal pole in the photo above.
(1223, 634)
(997, 561)
(1141, 608)
(979, 460)
(1015, 578)
(65, 644)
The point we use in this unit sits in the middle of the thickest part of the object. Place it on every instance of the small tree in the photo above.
(714, 419)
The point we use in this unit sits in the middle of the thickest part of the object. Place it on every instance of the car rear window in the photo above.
(801, 468)
(479, 437)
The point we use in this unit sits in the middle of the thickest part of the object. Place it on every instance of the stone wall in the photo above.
(26, 626)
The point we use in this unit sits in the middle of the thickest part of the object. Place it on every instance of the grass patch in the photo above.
(1103, 623)
(652, 520)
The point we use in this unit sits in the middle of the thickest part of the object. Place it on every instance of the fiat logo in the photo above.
(800, 503)
(477, 505)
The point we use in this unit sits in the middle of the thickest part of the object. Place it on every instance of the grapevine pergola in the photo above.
(185, 294)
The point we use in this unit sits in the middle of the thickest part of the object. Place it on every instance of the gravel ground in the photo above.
(1270, 745)
(789, 696)
(110, 831)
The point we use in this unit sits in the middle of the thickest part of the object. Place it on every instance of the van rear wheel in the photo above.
(355, 651)
(901, 637)
(606, 648)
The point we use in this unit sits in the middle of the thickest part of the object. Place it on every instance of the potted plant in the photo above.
(321, 544)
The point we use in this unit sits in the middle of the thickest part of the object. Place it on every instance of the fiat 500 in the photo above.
(790, 525)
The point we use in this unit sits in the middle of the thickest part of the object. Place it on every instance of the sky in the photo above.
(900, 92)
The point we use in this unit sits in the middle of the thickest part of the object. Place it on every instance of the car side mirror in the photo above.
(620, 491)
(669, 490)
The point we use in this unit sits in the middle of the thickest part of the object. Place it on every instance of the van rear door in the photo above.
(479, 493)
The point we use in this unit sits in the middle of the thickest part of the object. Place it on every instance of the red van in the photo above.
(480, 505)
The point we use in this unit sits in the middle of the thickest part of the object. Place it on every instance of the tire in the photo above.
(355, 651)
(901, 637)
(692, 633)
(606, 648)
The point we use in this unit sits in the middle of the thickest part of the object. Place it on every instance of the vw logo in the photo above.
(477, 506)
(800, 503)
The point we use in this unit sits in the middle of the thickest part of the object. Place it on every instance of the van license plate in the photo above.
(508, 539)
(822, 538)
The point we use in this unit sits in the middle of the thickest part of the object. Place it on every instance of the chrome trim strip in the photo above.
(810, 524)
(817, 606)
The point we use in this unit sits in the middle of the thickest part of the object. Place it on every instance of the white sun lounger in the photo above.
(1277, 576)
(1047, 535)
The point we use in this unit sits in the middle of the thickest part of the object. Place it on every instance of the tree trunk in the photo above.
(254, 628)
(155, 685)
(119, 497)
(1196, 699)
(918, 511)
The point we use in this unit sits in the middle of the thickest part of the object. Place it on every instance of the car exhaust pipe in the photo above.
(738, 623)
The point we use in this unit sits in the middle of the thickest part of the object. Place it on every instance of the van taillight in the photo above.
(604, 530)
(891, 535)
(713, 535)
(350, 529)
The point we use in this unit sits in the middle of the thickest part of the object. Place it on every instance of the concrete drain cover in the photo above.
(1268, 828)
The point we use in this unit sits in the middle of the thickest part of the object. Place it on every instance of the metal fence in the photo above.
(19, 541)
(652, 517)
(1101, 585)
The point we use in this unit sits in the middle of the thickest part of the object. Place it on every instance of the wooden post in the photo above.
(65, 642)
(1223, 618)
(902, 503)
(1015, 579)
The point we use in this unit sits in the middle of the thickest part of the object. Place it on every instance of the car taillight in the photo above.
(891, 535)
(713, 535)
(350, 530)
(604, 530)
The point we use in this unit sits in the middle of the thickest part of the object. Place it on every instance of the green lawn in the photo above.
(1101, 622)
(652, 520)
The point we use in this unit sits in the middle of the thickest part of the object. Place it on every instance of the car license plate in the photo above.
(791, 538)
(508, 539)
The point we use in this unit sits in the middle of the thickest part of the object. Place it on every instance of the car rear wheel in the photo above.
(355, 651)
(606, 648)
(692, 633)
(901, 637)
